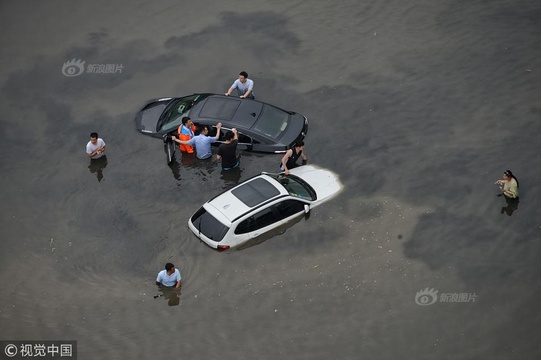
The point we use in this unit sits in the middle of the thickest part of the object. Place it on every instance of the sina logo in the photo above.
(73, 67)
(426, 297)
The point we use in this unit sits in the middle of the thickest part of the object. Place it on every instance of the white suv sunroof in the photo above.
(255, 192)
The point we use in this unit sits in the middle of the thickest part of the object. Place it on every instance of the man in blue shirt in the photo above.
(202, 141)
(170, 277)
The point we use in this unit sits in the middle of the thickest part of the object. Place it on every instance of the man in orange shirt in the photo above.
(185, 133)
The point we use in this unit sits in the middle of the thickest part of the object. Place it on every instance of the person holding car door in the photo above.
(227, 152)
(202, 142)
(186, 132)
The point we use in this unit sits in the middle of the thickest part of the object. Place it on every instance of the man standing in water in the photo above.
(186, 133)
(289, 161)
(95, 151)
(170, 277)
(95, 147)
(227, 152)
(202, 141)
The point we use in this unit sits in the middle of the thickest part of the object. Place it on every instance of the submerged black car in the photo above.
(262, 127)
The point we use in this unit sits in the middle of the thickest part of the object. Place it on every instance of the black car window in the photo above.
(288, 208)
(173, 114)
(244, 139)
(212, 132)
(258, 221)
(272, 122)
(208, 225)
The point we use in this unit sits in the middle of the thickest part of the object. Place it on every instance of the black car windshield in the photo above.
(209, 225)
(296, 186)
(272, 122)
(176, 110)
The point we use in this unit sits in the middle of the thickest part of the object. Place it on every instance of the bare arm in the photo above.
(179, 141)
(288, 154)
(233, 86)
(246, 94)
(218, 128)
(96, 152)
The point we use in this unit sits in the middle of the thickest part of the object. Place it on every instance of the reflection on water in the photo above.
(172, 295)
(511, 206)
(231, 177)
(97, 165)
(175, 168)
(202, 169)
(188, 160)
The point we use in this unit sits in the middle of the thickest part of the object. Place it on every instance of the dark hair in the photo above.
(203, 127)
(229, 135)
(185, 120)
(94, 135)
(169, 266)
(510, 174)
(299, 143)
(244, 73)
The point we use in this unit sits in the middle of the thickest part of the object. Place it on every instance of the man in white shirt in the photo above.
(170, 277)
(95, 147)
(243, 85)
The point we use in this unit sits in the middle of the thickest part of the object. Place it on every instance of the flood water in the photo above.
(419, 106)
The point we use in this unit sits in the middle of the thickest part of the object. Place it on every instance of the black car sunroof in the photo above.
(219, 108)
(255, 192)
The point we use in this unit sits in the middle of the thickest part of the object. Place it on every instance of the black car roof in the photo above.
(242, 113)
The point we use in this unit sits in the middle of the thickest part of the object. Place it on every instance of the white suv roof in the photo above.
(239, 200)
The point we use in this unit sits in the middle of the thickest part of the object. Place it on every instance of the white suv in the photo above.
(262, 203)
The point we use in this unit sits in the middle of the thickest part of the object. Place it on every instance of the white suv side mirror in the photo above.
(306, 208)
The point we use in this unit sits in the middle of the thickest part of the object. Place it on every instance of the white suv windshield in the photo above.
(297, 187)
